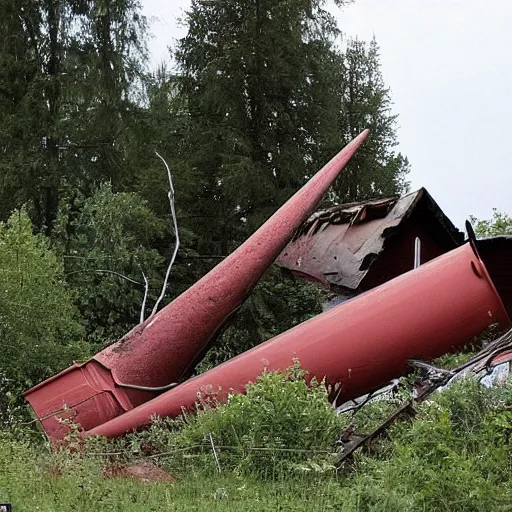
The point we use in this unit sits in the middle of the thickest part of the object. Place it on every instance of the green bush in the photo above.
(102, 234)
(279, 423)
(40, 328)
(499, 224)
(455, 455)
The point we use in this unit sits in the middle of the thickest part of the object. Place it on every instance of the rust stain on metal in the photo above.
(338, 247)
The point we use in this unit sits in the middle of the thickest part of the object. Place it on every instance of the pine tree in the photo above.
(254, 83)
(377, 169)
(68, 68)
(22, 109)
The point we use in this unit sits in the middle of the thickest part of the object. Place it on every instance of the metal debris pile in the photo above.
(490, 367)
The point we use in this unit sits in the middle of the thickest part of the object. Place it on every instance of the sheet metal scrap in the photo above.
(338, 246)
(350, 213)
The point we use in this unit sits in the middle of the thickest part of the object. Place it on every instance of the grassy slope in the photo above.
(29, 485)
(455, 456)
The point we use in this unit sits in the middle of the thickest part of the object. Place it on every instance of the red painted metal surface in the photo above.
(362, 344)
(68, 392)
(165, 348)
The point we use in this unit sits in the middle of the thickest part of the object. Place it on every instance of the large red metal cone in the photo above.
(361, 344)
(165, 347)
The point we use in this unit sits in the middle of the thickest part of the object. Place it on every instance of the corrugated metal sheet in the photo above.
(337, 246)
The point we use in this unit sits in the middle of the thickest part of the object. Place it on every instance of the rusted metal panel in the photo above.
(338, 247)
(91, 383)
(362, 344)
(165, 348)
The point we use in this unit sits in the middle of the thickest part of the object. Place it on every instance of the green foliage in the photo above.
(280, 422)
(454, 456)
(247, 72)
(277, 304)
(450, 361)
(377, 169)
(260, 98)
(110, 232)
(39, 326)
(69, 71)
(13, 409)
(499, 224)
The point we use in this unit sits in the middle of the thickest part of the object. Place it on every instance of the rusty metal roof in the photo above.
(337, 246)
(350, 213)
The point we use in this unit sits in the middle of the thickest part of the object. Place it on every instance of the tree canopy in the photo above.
(499, 224)
(69, 73)
(261, 94)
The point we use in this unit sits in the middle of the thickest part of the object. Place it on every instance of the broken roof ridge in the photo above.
(357, 212)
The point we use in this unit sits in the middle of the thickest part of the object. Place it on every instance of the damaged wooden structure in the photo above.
(356, 347)
(352, 248)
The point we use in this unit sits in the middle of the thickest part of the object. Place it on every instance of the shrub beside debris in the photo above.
(455, 454)
(280, 423)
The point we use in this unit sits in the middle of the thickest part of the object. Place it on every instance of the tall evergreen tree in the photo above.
(256, 90)
(66, 71)
(269, 98)
(21, 107)
(377, 169)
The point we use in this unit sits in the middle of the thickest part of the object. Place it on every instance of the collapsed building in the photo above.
(352, 248)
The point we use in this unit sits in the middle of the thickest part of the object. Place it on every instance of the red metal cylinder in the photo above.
(362, 344)
(165, 347)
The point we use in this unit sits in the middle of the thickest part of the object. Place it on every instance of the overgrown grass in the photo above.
(28, 480)
(455, 455)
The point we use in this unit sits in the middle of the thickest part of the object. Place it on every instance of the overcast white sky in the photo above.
(449, 66)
